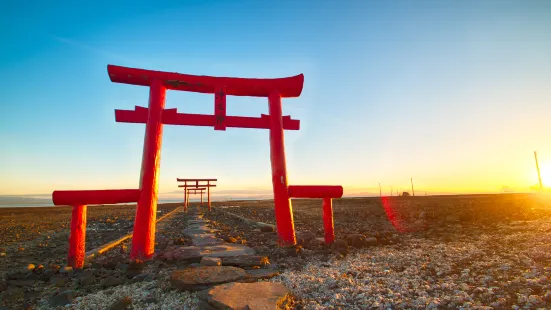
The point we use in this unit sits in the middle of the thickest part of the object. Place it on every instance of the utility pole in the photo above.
(411, 179)
(391, 191)
(380, 191)
(538, 168)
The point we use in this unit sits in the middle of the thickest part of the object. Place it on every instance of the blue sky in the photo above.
(455, 94)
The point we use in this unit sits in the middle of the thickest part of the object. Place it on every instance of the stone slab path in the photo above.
(226, 275)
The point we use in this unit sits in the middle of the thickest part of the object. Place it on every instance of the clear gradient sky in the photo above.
(456, 94)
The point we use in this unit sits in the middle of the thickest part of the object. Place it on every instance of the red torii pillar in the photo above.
(143, 236)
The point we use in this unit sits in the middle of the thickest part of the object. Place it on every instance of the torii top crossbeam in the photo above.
(287, 87)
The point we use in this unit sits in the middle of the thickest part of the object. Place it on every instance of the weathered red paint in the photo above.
(328, 227)
(172, 117)
(315, 191)
(287, 87)
(77, 238)
(95, 197)
(143, 236)
(283, 208)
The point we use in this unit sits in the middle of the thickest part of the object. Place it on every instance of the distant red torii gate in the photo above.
(194, 190)
(208, 186)
(143, 239)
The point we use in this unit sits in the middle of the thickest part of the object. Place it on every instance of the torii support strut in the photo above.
(197, 184)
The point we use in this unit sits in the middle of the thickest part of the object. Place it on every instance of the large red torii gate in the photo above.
(155, 115)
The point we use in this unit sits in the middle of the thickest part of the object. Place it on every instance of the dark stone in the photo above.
(266, 229)
(150, 300)
(111, 281)
(88, 280)
(109, 265)
(59, 281)
(340, 247)
(123, 304)
(230, 240)
(63, 298)
(122, 267)
(12, 293)
(130, 273)
(246, 261)
(21, 283)
(304, 238)
(356, 240)
(179, 241)
(137, 265)
(140, 277)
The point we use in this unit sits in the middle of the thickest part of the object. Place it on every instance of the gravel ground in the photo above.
(39, 236)
(479, 252)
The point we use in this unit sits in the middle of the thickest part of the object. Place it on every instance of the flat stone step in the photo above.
(206, 239)
(199, 229)
(200, 278)
(226, 250)
(253, 296)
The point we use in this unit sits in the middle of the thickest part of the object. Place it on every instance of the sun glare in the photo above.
(546, 175)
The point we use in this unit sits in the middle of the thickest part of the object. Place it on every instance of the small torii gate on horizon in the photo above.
(208, 186)
(155, 115)
(194, 190)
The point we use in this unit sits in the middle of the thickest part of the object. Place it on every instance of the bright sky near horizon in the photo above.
(456, 94)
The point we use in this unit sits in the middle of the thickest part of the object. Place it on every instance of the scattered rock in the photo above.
(122, 304)
(12, 293)
(88, 280)
(211, 261)
(66, 270)
(316, 242)
(370, 241)
(259, 295)
(356, 240)
(340, 246)
(304, 238)
(111, 281)
(63, 298)
(261, 273)
(246, 261)
(122, 267)
(179, 241)
(140, 277)
(59, 281)
(293, 251)
(200, 278)
(266, 228)
(136, 265)
(230, 239)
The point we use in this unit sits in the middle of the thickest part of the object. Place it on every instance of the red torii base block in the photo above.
(79, 201)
